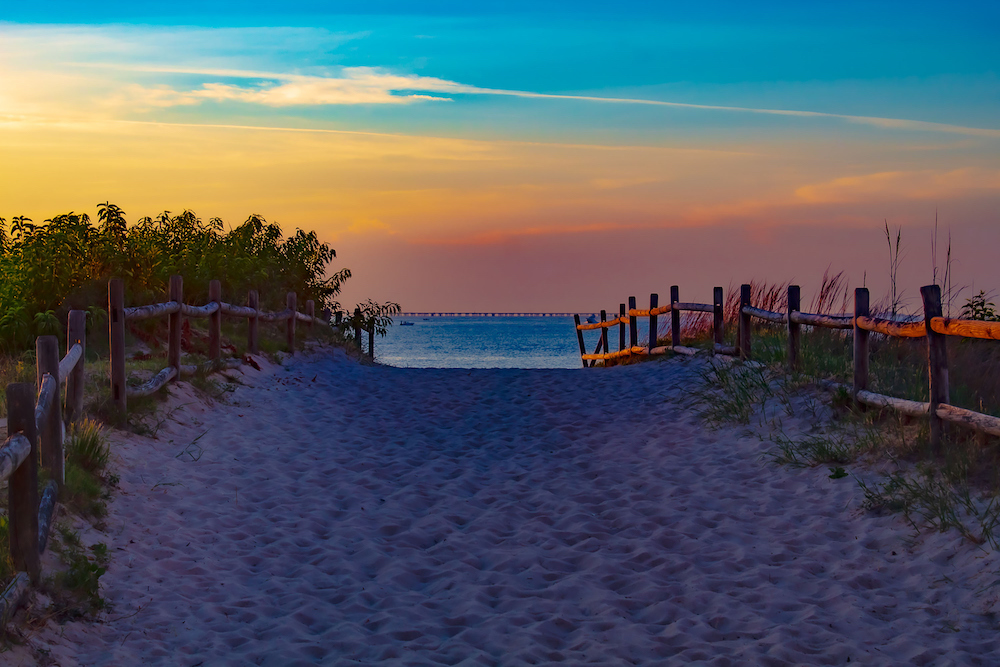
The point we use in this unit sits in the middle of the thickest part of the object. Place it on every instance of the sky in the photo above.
(524, 156)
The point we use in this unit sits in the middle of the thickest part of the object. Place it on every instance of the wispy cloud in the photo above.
(355, 85)
(368, 85)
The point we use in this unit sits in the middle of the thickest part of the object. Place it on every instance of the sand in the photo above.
(348, 514)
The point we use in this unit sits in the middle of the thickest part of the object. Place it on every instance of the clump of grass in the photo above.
(87, 446)
(732, 392)
(87, 455)
(812, 450)
(77, 588)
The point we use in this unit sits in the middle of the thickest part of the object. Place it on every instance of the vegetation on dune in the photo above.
(66, 262)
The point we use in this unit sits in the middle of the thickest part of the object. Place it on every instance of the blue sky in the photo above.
(443, 124)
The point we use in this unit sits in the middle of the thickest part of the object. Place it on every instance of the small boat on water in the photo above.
(592, 319)
(406, 324)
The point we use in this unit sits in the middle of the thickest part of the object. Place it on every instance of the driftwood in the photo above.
(966, 328)
(12, 454)
(238, 311)
(152, 310)
(69, 362)
(696, 307)
(199, 311)
(975, 420)
(12, 596)
(686, 351)
(761, 314)
(46, 509)
(302, 317)
(154, 384)
(820, 320)
(912, 408)
(719, 348)
(892, 327)
(662, 349)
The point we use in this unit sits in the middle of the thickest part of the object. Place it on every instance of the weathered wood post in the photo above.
(654, 300)
(22, 487)
(743, 342)
(794, 337)
(311, 313)
(621, 327)
(675, 316)
(357, 327)
(937, 363)
(215, 322)
(604, 335)
(50, 439)
(253, 301)
(174, 330)
(717, 317)
(579, 338)
(338, 318)
(290, 331)
(861, 309)
(116, 339)
(633, 331)
(371, 339)
(76, 334)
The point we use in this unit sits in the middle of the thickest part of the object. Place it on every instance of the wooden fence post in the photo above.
(116, 338)
(794, 337)
(675, 316)
(371, 339)
(579, 338)
(861, 309)
(744, 331)
(357, 327)
(633, 332)
(621, 327)
(76, 334)
(50, 438)
(174, 331)
(252, 340)
(654, 300)
(717, 317)
(22, 487)
(604, 335)
(215, 322)
(311, 312)
(290, 332)
(937, 362)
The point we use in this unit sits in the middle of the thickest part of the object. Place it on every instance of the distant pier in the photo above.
(486, 314)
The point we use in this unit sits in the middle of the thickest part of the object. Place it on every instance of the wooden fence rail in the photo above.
(933, 326)
(37, 419)
(36, 423)
(175, 309)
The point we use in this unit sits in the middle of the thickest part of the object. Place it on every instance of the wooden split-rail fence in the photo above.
(35, 427)
(933, 326)
(36, 419)
(175, 309)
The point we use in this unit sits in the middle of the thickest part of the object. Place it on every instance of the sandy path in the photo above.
(343, 514)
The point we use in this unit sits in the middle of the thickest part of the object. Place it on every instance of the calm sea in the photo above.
(480, 342)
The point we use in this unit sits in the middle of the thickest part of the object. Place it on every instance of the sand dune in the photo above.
(343, 514)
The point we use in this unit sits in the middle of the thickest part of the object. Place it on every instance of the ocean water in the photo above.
(480, 342)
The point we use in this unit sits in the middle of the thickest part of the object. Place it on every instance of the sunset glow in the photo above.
(525, 160)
